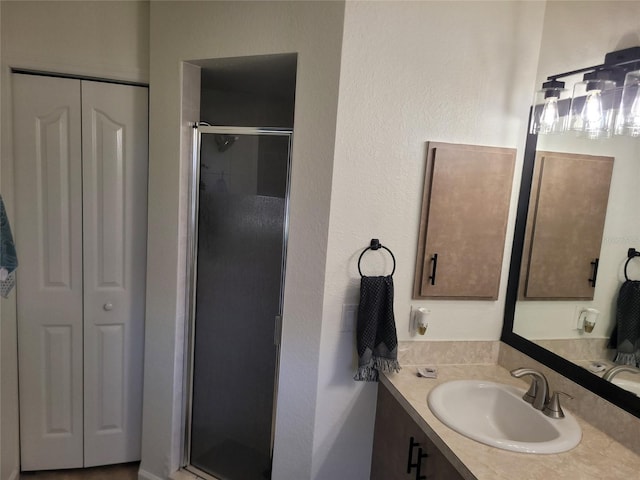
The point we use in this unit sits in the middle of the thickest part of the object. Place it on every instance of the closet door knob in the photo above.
(108, 306)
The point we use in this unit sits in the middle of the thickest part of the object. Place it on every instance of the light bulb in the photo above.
(592, 113)
(549, 117)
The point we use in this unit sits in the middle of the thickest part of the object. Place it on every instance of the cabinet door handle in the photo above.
(434, 266)
(410, 464)
(594, 275)
(419, 465)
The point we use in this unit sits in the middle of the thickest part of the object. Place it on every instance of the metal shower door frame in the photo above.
(200, 128)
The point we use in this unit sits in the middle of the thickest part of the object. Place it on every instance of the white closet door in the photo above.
(48, 233)
(115, 152)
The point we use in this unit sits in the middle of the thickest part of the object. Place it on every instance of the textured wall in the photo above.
(460, 72)
(102, 39)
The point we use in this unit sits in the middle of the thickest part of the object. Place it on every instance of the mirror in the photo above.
(552, 330)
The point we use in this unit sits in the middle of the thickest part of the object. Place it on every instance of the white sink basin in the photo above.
(496, 415)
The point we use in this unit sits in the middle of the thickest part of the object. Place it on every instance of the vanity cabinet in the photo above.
(565, 224)
(465, 206)
(397, 443)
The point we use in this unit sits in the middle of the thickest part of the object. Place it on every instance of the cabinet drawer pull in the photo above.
(421, 455)
(434, 266)
(410, 464)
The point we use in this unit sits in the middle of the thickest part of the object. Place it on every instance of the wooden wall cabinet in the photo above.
(465, 208)
(565, 224)
(394, 452)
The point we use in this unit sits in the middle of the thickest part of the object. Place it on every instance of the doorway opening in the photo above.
(238, 238)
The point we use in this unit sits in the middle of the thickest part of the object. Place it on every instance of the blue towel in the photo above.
(8, 257)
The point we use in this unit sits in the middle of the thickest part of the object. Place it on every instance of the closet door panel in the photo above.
(115, 129)
(48, 234)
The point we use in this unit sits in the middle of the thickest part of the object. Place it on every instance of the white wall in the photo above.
(412, 72)
(184, 31)
(569, 43)
(100, 39)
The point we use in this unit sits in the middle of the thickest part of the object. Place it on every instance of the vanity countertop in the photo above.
(597, 457)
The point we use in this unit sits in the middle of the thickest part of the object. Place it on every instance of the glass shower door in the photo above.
(241, 242)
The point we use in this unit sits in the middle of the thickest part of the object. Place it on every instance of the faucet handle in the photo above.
(553, 408)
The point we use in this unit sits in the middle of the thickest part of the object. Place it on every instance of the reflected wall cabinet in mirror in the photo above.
(565, 223)
(467, 190)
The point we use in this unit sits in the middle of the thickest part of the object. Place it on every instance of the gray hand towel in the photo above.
(376, 336)
(628, 324)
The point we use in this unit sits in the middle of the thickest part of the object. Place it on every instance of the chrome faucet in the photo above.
(613, 371)
(538, 393)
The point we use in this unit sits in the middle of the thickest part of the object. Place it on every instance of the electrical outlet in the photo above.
(349, 318)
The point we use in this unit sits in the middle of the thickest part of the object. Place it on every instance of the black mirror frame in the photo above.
(616, 395)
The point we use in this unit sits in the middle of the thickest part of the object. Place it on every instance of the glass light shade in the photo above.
(549, 111)
(593, 108)
(629, 117)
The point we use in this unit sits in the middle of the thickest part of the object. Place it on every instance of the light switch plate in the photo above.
(349, 318)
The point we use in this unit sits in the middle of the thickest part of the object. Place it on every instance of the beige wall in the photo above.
(99, 39)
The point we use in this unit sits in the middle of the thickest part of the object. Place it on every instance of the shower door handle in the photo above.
(277, 330)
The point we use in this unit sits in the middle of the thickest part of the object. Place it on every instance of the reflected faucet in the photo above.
(538, 393)
(613, 371)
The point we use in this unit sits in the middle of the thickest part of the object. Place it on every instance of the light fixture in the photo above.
(593, 111)
(548, 118)
(629, 123)
(605, 102)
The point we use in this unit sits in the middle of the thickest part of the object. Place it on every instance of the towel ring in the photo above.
(376, 245)
(631, 254)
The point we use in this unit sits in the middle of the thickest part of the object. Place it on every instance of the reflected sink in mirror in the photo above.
(495, 414)
(629, 385)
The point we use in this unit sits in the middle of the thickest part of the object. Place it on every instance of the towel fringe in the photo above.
(370, 371)
(623, 358)
(387, 365)
(366, 374)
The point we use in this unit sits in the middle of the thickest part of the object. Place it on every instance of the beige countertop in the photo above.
(598, 456)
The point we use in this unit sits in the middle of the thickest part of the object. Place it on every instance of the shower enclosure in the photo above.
(240, 186)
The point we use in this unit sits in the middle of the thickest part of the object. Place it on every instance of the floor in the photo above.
(125, 471)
